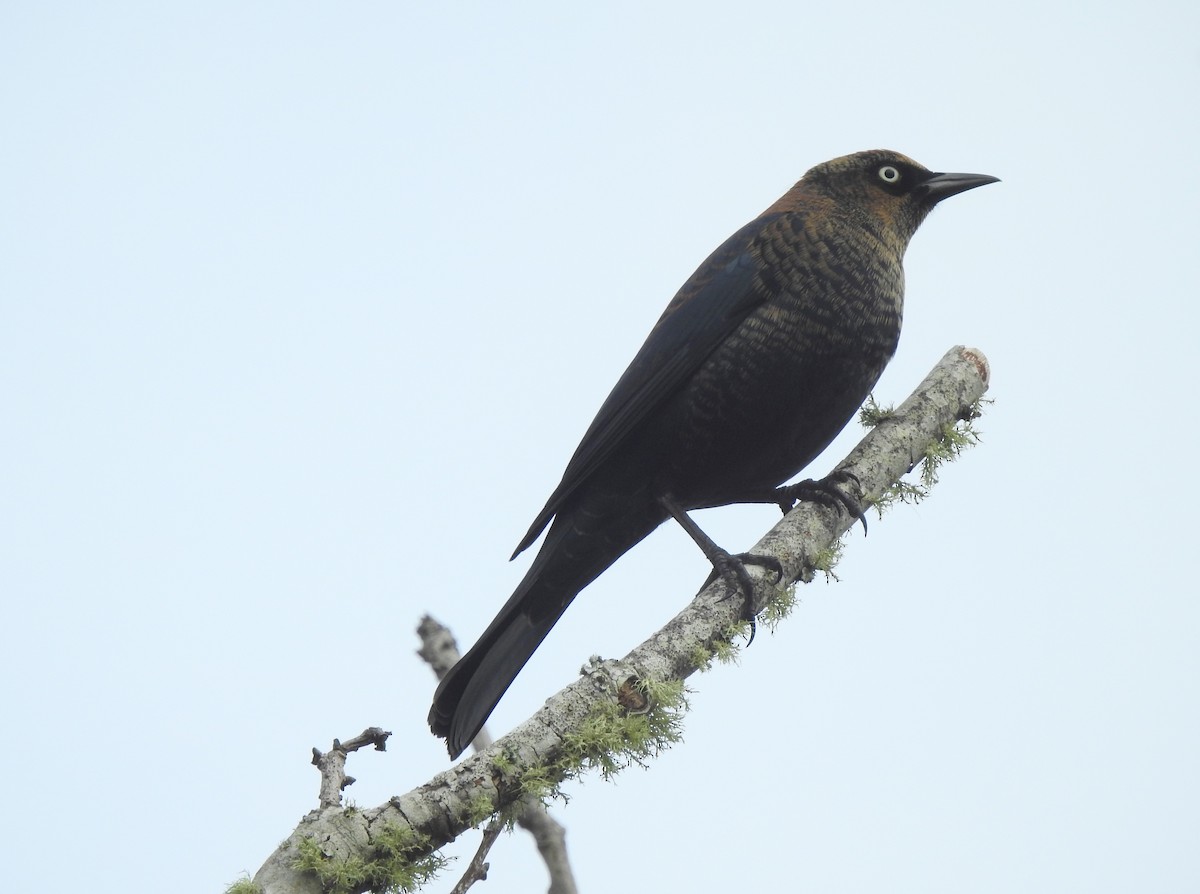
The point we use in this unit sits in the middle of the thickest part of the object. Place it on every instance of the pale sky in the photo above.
(303, 308)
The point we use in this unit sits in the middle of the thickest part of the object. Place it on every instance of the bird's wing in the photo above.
(709, 306)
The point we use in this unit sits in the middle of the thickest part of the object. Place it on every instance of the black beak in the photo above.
(943, 186)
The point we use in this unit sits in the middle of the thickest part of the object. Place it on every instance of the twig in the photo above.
(477, 870)
(332, 764)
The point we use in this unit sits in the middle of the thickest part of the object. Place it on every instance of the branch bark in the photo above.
(443, 807)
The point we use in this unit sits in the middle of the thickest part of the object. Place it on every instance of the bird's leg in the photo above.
(730, 566)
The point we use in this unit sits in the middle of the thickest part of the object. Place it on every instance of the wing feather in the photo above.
(710, 305)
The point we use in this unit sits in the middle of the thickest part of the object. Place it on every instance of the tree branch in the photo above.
(450, 803)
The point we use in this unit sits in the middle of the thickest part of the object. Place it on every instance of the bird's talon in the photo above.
(827, 493)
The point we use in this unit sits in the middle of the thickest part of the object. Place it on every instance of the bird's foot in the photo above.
(826, 492)
(731, 567)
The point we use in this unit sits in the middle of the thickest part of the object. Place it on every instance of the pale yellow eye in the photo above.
(889, 174)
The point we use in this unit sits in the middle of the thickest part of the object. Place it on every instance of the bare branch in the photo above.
(333, 764)
(551, 839)
(448, 804)
(477, 870)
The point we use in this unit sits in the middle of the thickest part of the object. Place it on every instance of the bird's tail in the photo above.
(468, 694)
(574, 554)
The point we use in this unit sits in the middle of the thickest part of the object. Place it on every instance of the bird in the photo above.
(757, 363)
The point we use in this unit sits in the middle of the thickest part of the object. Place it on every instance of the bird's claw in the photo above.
(826, 492)
(732, 568)
(762, 561)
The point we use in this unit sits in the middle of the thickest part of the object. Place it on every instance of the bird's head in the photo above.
(893, 192)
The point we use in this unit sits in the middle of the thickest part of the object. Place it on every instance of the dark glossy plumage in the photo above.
(757, 363)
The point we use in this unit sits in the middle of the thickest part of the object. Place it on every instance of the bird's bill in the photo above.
(942, 186)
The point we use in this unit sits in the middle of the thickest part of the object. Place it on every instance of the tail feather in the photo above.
(578, 548)
(469, 693)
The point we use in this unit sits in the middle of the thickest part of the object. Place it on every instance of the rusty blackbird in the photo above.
(758, 362)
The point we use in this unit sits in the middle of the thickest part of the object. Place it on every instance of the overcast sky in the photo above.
(303, 308)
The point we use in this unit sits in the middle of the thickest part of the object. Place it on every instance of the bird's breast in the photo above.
(791, 375)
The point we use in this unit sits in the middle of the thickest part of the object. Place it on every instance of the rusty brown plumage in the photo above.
(757, 363)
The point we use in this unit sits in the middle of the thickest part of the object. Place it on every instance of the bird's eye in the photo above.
(889, 174)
